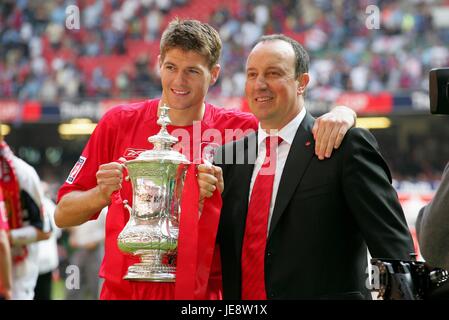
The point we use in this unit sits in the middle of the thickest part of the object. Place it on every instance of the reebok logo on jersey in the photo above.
(132, 153)
(76, 169)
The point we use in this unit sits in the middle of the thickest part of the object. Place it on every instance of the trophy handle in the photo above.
(127, 206)
(115, 196)
(209, 149)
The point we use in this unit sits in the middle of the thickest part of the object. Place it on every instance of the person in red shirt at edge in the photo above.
(5, 253)
(188, 61)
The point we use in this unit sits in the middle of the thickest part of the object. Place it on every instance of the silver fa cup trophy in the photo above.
(157, 178)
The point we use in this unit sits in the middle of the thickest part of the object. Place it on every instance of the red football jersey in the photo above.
(123, 132)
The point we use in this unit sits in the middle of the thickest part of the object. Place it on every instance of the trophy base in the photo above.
(142, 272)
(151, 268)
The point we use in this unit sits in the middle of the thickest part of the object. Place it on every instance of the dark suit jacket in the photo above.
(326, 214)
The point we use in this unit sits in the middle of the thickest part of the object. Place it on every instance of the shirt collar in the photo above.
(287, 133)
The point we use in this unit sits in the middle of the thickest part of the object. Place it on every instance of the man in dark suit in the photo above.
(292, 226)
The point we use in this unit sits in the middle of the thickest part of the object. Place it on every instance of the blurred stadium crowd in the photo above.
(114, 53)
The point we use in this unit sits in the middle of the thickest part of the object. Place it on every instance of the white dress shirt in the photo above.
(287, 133)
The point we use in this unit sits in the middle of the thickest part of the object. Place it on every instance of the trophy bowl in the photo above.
(157, 178)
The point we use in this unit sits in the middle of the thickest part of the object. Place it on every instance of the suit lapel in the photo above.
(298, 159)
(244, 172)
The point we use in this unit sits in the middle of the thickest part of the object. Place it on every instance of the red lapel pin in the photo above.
(308, 143)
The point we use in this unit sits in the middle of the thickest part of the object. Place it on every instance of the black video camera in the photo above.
(439, 90)
(409, 280)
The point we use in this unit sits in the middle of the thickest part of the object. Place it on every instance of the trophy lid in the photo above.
(163, 143)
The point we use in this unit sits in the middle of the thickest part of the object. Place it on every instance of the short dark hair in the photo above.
(301, 56)
(192, 35)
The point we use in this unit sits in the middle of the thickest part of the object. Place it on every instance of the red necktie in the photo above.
(255, 238)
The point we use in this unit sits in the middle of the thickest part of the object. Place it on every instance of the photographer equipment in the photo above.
(439, 90)
(409, 280)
